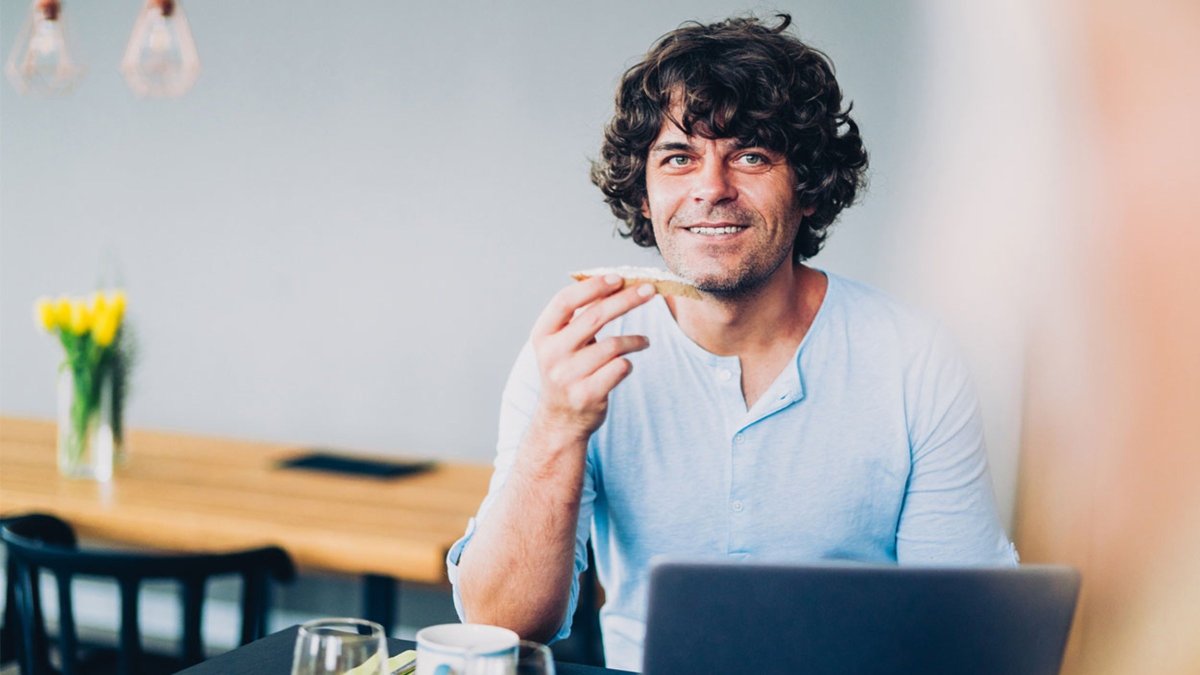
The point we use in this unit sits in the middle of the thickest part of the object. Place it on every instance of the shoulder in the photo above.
(862, 313)
(890, 339)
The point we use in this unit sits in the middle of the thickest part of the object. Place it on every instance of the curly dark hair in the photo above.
(745, 80)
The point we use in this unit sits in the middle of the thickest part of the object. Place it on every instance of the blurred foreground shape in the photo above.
(1110, 462)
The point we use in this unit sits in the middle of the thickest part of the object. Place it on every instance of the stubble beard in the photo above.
(743, 280)
(755, 268)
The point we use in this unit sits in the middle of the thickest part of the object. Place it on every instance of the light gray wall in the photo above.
(342, 235)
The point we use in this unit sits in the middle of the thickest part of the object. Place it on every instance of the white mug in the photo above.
(466, 649)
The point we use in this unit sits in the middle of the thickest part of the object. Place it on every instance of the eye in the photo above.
(678, 160)
(754, 159)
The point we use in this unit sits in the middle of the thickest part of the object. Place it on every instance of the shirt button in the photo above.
(739, 438)
(724, 375)
(737, 506)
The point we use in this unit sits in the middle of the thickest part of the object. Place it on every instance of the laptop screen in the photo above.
(720, 617)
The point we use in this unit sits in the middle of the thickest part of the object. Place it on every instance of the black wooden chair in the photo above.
(39, 543)
(8, 631)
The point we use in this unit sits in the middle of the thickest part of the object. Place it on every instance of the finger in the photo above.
(583, 328)
(564, 303)
(588, 360)
(601, 383)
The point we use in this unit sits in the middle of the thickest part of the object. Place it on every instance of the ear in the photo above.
(808, 211)
(645, 210)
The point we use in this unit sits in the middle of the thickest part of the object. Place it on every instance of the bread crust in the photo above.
(664, 282)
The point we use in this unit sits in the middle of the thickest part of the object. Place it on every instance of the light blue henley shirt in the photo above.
(868, 446)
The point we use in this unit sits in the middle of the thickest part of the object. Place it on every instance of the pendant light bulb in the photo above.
(42, 62)
(161, 60)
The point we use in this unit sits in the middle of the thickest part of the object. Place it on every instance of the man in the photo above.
(789, 414)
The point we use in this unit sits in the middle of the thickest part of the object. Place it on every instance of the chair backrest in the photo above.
(53, 531)
(39, 542)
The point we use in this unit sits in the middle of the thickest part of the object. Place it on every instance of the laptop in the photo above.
(848, 619)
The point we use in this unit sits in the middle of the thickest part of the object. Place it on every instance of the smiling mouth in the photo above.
(713, 231)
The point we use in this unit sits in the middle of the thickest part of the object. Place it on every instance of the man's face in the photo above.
(725, 216)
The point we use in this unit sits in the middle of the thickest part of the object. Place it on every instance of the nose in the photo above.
(714, 184)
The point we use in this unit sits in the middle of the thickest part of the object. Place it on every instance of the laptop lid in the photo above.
(724, 617)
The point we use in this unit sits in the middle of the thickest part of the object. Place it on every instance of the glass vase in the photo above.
(89, 425)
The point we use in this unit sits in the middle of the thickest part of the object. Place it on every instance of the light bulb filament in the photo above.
(47, 39)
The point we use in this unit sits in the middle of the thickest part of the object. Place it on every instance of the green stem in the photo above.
(94, 370)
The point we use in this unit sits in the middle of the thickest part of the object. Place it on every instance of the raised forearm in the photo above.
(517, 570)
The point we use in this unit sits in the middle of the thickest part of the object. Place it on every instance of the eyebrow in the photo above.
(672, 146)
(676, 146)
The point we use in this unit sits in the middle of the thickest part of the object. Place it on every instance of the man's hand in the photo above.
(518, 569)
(577, 371)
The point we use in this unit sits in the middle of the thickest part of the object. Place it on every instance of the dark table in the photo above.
(272, 655)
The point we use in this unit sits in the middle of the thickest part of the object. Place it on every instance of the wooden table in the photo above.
(192, 493)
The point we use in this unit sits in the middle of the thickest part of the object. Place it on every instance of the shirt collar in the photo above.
(789, 387)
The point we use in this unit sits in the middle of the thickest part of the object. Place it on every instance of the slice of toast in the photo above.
(663, 281)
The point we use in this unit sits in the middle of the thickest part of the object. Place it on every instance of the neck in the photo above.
(776, 314)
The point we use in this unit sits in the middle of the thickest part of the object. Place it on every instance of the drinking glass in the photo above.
(340, 647)
(534, 659)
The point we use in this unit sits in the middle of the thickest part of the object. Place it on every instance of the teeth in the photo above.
(715, 230)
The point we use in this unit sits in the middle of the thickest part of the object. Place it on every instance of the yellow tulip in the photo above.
(45, 313)
(62, 311)
(105, 327)
(116, 299)
(99, 303)
(81, 317)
